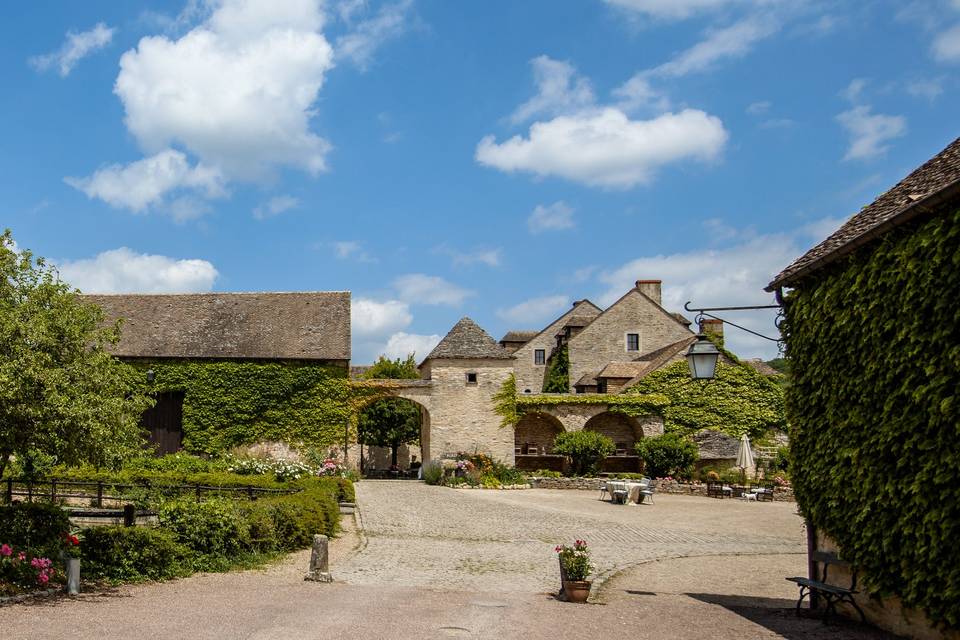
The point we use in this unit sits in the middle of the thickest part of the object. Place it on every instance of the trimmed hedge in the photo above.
(133, 554)
(875, 367)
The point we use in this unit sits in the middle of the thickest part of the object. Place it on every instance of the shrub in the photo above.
(23, 571)
(781, 461)
(36, 527)
(131, 554)
(432, 473)
(214, 529)
(586, 449)
(667, 455)
(544, 473)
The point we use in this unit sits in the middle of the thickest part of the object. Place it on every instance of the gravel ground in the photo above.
(438, 563)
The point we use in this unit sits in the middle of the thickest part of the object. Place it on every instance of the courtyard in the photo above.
(433, 562)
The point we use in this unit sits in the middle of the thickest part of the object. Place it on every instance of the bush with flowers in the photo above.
(575, 560)
(22, 571)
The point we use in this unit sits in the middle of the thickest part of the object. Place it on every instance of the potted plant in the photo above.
(575, 568)
(71, 552)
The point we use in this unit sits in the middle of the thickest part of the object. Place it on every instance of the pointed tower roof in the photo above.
(467, 341)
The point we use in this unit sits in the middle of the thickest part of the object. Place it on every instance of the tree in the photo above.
(390, 422)
(586, 449)
(61, 393)
(557, 379)
(667, 455)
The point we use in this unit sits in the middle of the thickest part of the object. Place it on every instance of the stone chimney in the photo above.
(713, 328)
(650, 288)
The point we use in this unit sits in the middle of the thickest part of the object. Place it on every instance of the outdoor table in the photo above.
(633, 490)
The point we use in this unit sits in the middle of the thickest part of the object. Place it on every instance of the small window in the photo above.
(539, 356)
(633, 342)
(471, 378)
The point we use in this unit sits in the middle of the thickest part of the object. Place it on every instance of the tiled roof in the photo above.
(623, 369)
(760, 367)
(294, 326)
(654, 360)
(587, 380)
(909, 197)
(468, 341)
(519, 336)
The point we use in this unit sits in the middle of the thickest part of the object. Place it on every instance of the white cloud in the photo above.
(125, 271)
(532, 312)
(361, 44)
(551, 217)
(759, 108)
(418, 288)
(606, 148)
(854, 90)
(946, 46)
(559, 90)
(459, 258)
(349, 250)
(275, 206)
(76, 47)
(734, 41)
(237, 90)
(370, 317)
(145, 183)
(638, 93)
(401, 344)
(929, 89)
(673, 9)
(868, 132)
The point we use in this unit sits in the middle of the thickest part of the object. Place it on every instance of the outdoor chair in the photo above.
(620, 496)
(647, 494)
(603, 490)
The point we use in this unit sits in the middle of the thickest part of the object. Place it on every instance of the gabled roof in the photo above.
(577, 306)
(519, 336)
(467, 341)
(622, 369)
(760, 367)
(288, 326)
(920, 192)
(578, 321)
(656, 359)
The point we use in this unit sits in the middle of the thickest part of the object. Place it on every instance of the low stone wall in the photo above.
(780, 494)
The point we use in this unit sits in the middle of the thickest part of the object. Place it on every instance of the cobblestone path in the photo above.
(419, 535)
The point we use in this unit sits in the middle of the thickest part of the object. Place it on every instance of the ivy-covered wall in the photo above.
(875, 431)
(738, 400)
(230, 403)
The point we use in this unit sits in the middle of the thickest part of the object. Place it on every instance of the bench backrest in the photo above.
(827, 558)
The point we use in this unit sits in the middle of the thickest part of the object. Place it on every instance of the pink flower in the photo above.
(6, 550)
(21, 556)
(43, 578)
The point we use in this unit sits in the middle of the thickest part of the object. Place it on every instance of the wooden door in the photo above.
(164, 422)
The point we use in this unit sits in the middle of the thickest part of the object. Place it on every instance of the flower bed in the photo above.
(474, 471)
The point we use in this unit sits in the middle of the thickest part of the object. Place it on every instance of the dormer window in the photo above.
(633, 342)
(539, 356)
(472, 378)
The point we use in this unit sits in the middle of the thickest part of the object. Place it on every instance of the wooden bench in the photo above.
(831, 593)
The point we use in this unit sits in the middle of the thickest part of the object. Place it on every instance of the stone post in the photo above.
(319, 561)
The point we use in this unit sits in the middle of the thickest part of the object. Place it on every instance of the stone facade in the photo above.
(461, 413)
(605, 339)
(529, 374)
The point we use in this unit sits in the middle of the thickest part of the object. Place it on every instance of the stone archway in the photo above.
(418, 393)
(533, 438)
(625, 431)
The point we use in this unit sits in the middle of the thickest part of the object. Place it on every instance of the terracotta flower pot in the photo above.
(576, 590)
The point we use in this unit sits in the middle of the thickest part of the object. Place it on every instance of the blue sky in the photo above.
(438, 159)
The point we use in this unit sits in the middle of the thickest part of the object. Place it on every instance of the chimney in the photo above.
(713, 328)
(650, 288)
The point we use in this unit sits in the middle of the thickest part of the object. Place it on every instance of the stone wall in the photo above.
(604, 341)
(780, 494)
(529, 375)
(461, 413)
(538, 431)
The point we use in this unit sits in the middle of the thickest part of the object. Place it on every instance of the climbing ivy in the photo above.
(875, 369)
(233, 403)
(505, 402)
(738, 400)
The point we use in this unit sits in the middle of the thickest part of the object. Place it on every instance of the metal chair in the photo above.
(603, 490)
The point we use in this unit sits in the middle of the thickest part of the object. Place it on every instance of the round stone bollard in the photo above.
(320, 561)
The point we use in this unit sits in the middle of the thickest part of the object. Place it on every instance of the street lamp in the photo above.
(702, 358)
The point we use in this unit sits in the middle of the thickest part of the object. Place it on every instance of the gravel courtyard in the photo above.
(420, 535)
(432, 562)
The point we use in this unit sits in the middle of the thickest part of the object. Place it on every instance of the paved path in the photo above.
(438, 563)
(418, 535)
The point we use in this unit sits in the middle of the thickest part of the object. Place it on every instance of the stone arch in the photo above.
(625, 431)
(418, 393)
(535, 432)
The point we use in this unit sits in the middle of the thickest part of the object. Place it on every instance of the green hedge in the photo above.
(132, 554)
(875, 366)
(38, 527)
(227, 404)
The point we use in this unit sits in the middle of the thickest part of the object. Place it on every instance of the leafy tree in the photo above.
(391, 422)
(738, 400)
(586, 449)
(667, 455)
(557, 379)
(61, 393)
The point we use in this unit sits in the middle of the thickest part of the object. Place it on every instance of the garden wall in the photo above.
(780, 494)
